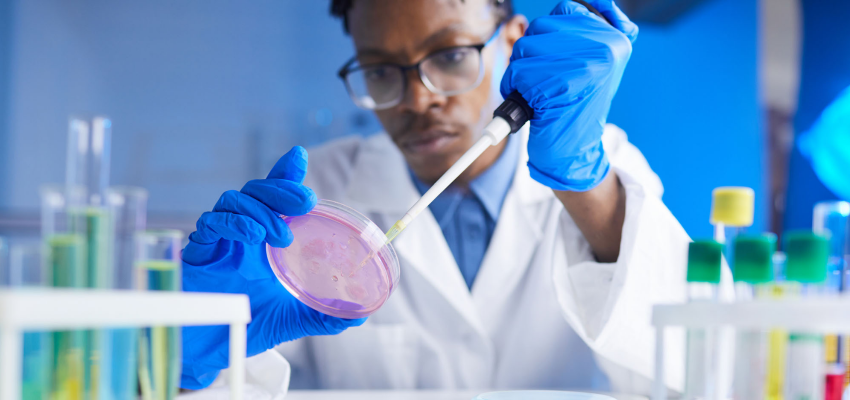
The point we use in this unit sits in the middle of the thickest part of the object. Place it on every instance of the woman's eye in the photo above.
(376, 74)
(451, 57)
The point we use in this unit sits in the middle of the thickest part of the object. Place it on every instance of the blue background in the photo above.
(825, 73)
(207, 94)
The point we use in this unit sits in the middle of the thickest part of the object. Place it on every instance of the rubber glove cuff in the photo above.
(576, 174)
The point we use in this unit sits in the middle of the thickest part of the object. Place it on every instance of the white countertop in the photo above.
(252, 394)
(402, 395)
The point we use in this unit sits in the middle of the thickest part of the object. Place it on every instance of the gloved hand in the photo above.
(227, 255)
(568, 67)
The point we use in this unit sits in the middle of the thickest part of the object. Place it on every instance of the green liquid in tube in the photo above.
(98, 235)
(67, 264)
(159, 358)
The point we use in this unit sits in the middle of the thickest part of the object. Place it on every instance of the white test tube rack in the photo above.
(58, 309)
(824, 315)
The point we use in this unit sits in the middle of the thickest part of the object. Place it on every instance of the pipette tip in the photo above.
(395, 230)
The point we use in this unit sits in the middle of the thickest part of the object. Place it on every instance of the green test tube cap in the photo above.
(754, 258)
(704, 261)
(806, 257)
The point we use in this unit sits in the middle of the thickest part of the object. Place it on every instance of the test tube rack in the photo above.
(823, 315)
(57, 309)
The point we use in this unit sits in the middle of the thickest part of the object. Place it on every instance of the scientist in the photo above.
(538, 268)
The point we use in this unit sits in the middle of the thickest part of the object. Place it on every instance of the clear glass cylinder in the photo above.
(88, 156)
(159, 268)
(23, 267)
(63, 227)
(128, 208)
(831, 219)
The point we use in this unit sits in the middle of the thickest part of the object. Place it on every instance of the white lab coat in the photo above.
(542, 313)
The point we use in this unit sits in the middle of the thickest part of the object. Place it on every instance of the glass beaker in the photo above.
(339, 263)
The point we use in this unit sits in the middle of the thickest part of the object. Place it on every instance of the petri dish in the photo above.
(540, 395)
(324, 266)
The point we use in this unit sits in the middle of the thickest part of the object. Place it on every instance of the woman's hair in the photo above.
(504, 9)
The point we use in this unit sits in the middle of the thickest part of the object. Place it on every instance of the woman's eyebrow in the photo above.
(455, 29)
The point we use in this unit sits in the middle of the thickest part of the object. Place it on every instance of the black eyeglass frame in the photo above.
(348, 68)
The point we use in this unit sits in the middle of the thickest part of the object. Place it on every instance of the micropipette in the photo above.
(509, 117)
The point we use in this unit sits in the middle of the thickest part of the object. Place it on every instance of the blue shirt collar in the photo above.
(491, 187)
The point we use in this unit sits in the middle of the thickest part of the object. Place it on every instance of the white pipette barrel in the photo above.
(494, 133)
(508, 118)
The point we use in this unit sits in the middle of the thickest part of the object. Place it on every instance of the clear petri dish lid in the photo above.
(338, 263)
(540, 395)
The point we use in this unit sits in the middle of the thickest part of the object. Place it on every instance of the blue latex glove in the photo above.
(568, 67)
(227, 255)
(827, 145)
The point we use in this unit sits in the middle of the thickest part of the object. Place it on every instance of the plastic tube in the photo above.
(159, 264)
(830, 220)
(732, 210)
(63, 230)
(777, 339)
(87, 167)
(753, 274)
(704, 264)
(128, 207)
(807, 255)
(22, 266)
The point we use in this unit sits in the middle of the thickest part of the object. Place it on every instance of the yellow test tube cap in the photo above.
(733, 206)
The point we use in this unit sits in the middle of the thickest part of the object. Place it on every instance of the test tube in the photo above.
(704, 262)
(158, 265)
(128, 206)
(777, 339)
(87, 167)
(63, 229)
(830, 220)
(805, 270)
(26, 269)
(732, 210)
(753, 274)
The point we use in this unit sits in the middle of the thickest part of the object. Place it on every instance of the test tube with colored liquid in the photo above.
(128, 207)
(22, 267)
(87, 167)
(831, 219)
(159, 267)
(805, 271)
(64, 235)
(753, 275)
(704, 263)
(732, 210)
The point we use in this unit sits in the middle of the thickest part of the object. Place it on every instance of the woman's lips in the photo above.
(429, 142)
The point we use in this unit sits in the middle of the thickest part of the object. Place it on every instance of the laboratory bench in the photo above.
(403, 395)
(368, 395)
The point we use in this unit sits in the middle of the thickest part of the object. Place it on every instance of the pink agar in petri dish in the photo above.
(320, 267)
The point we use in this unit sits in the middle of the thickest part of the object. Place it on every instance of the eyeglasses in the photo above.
(446, 72)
